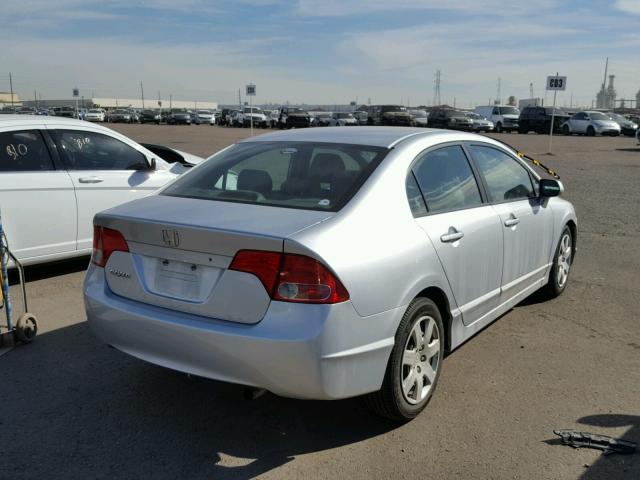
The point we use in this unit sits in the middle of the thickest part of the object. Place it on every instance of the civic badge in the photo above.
(170, 238)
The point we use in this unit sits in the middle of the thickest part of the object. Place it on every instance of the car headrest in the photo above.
(255, 180)
(326, 165)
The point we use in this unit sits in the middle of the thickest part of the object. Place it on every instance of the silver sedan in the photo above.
(330, 263)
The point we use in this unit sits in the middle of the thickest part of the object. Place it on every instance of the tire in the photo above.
(498, 128)
(403, 403)
(561, 266)
(591, 132)
(26, 328)
(565, 130)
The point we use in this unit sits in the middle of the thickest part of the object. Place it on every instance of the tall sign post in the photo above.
(76, 94)
(555, 83)
(251, 92)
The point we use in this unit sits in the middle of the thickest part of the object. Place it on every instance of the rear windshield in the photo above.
(314, 176)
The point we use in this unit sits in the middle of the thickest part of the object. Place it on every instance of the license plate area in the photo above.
(184, 281)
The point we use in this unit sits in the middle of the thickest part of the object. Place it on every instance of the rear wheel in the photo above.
(414, 365)
(498, 128)
(591, 132)
(559, 276)
(565, 130)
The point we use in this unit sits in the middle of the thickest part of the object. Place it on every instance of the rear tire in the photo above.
(498, 128)
(561, 266)
(414, 365)
(565, 130)
(591, 132)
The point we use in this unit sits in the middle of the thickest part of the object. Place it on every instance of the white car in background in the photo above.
(94, 115)
(343, 119)
(591, 124)
(204, 116)
(420, 118)
(57, 173)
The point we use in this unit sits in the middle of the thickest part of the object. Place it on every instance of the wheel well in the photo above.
(442, 302)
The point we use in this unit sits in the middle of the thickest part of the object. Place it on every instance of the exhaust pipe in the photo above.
(253, 393)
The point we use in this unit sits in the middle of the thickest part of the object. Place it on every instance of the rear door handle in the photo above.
(451, 236)
(512, 221)
(90, 180)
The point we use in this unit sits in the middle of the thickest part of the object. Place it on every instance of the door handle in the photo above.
(451, 236)
(90, 180)
(512, 221)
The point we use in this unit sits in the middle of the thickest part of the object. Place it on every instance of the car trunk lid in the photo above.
(180, 250)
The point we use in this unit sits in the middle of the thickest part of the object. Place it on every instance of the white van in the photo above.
(504, 117)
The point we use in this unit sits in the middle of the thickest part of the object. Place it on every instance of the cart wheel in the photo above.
(26, 328)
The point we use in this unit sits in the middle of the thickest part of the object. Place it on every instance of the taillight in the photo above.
(105, 242)
(291, 278)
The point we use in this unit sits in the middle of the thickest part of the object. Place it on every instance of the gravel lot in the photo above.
(74, 408)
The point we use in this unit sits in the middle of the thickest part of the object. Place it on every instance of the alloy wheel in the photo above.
(564, 260)
(420, 360)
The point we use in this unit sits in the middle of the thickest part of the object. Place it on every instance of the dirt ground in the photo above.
(73, 408)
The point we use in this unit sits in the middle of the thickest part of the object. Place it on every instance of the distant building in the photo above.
(6, 101)
(99, 102)
(606, 97)
(530, 102)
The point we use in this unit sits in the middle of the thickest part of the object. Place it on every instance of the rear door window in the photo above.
(24, 151)
(83, 150)
(505, 178)
(289, 174)
(446, 180)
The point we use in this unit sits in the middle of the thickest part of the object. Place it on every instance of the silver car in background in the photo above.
(329, 263)
(591, 124)
(480, 123)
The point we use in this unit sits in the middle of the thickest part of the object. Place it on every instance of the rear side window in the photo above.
(446, 180)
(318, 176)
(416, 201)
(24, 151)
(506, 179)
(84, 150)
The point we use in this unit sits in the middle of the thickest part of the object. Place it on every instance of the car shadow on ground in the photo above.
(637, 149)
(74, 408)
(48, 270)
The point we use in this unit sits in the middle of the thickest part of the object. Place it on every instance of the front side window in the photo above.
(506, 179)
(24, 151)
(84, 150)
(446, 180)
(316, 176)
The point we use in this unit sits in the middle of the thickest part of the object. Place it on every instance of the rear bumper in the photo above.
(299, 351)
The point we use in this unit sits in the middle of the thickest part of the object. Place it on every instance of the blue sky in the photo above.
(328, 51)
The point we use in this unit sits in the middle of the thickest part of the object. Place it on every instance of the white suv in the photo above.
(504, 117)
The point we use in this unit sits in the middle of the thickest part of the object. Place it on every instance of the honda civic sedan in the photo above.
(330, 263)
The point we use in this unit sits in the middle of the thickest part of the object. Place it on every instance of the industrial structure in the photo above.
(606, 97)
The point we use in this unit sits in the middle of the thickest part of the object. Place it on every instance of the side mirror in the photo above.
(550, 188)
(152, 164)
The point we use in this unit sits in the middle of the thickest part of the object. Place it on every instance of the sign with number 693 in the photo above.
(556, 83)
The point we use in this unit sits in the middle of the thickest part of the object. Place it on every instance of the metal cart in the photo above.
(26, 326)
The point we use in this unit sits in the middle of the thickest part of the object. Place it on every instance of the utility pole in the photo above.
(35, 98)
(499, 92)
(11, 87)
(170, 101)
(142, 93)
(239, 100)
(531, 90)
(436, 90)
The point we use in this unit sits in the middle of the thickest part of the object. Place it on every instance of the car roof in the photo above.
(372, 136)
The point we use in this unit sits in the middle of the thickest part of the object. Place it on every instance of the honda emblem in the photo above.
(170, 238)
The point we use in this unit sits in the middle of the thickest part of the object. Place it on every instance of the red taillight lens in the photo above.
(263, 265)
(105, 242)
(291, 278)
